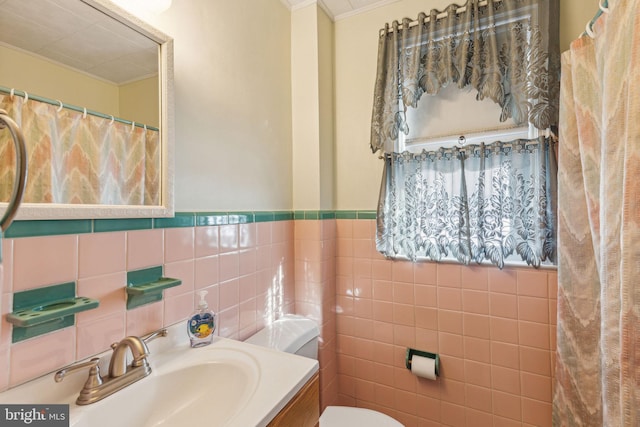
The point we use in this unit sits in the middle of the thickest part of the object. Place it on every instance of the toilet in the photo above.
(299, 335)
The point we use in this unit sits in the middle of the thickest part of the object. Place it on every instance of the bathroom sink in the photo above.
(216, 390)
(228, 383)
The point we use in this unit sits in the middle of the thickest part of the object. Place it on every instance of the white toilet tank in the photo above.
(290, 333)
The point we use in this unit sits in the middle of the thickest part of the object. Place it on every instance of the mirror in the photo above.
(90, 60)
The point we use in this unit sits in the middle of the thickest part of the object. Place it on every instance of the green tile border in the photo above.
(48, 227)
(35, 228)
(182, 219)
(125, 224)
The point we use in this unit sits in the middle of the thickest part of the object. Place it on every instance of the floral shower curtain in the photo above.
(598, 338)
(474, 203)
(80, 160)
(506, 50)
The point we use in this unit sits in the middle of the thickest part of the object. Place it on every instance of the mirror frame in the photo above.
(43, 211)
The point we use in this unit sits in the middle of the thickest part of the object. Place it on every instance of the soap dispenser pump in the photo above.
(201, 324)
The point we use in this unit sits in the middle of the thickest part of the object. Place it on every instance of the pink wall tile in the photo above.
(489, 326)
(449, 275)
(228, 266)
(145, 248)
(532, 283)
(534, 334)
(536, 413)
(425, 273)
(503, 281)
(382, 290)
(7, 261)
(247, 261)
(449, 299)
(96, 335)
(450, 321)
(503, 305)
(263, 233)
(533, 309)
(403, 293)
(229, 322)
(496, 352)
(206, 272)
(247, 235)
(476, 325)
(179, 244)
(206, 241)
(4, 367)
(475, 301)
(475, 277)
(183, 270)
(101, 253)
(37, 356)
(229, 294)
(261, 287)
(109, 290)
(247, 287)
(146, 319)
(505, 379)
(39, 261)
(402, 271)
(178, 308)
(229, 238)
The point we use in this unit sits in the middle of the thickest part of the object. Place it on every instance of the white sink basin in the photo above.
(227, 383)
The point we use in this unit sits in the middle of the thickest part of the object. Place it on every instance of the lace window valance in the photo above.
(506, 50)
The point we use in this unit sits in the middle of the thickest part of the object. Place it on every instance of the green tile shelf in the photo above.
(51, 311)
(145, 286)
(42, 310)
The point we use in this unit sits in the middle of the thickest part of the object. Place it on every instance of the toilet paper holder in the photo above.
(413, 352)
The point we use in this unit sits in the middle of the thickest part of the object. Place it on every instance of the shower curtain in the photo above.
(598, 345)
(80, 160)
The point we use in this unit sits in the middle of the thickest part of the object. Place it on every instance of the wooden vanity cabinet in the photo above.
(303, 410)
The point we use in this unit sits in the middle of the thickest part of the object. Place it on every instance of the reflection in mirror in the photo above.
(90, 85)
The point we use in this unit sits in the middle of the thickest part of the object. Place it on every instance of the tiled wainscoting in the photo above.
(247, 268)
(495, 330)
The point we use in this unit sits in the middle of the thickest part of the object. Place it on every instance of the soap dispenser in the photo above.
(201, 324)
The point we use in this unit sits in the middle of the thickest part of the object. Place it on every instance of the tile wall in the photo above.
(494, 331)
(315, 294)
(247, 269)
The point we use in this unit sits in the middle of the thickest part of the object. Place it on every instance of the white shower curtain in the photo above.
(598, 348)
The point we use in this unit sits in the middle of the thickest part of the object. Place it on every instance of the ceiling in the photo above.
(338, 9)
(78, 36)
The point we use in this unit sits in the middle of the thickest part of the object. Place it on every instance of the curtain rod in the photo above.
(471, 137)
(60, 104)
(439, 16)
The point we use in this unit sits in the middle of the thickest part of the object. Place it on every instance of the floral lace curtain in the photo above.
(477, 203)
(506, 51)
(80, 160)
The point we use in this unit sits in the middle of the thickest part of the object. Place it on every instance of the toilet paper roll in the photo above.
(424, 367)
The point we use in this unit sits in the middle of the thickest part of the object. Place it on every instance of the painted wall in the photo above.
(29, 73)
(139, 101)
(232, 104)
(357, 172)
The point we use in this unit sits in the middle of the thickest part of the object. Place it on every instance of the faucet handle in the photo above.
(94, 372)
(152, 336)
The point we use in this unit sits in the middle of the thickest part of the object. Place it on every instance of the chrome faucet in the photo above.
(120, 374)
